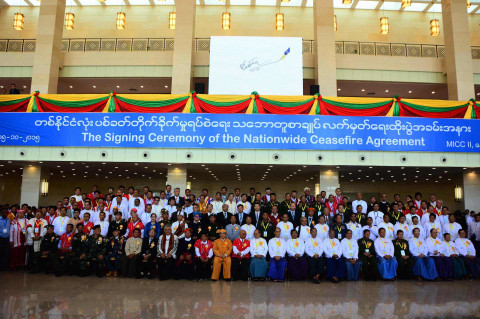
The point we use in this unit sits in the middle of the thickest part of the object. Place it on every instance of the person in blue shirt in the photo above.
(152, 224)
(4, 240)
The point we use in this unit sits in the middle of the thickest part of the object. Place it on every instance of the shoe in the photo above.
(109, 273)
(115, 274)
(214, 280)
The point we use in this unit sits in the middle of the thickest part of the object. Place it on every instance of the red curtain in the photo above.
(265, 107)
(17, 107)
(406, 110)
(44, 106)
(329, 109)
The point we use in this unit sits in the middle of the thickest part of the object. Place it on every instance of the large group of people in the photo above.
(241, 236)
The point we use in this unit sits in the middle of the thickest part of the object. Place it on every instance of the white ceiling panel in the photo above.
(266, 2)
(391, 6)
(339, 4)
(292, 3)
(89, 2)
(416, 6)
(240, 2)
(139, 2)
(435, 8)
(366, 5)
(16, 3)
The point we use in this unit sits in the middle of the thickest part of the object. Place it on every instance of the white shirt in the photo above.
(373, 232)
(349, 248)
(131, 203)
(258, 247)
(376, 216)
(277, 247)
(247, 207)
(332, 247)
(408, 218)
(383, 247)
(452, 229)
(164, 249)
(417, 246)
(122, 207)
(60, 225)
(217, 206)
(295, 246)
(250, 229)
(356, 229)
(304, 232)
(103, 226)
(407, 234)
(443, 219)
(96, 216)
(469, 220)
(146, 217)
(322, 231)
(388, 230)
(465, 247)
(285, 229)
(187, 210)
(473, 229)
(425, 218)
(362, 203)
(314, 246)
(423, 235)
(83, 211)
(435, 225)
(434, 245)
(232, 207)
(77, 197)
(449, 248)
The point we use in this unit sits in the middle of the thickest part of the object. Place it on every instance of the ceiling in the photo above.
(240, 172)
(391, 5)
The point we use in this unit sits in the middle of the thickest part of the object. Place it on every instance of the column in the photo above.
(177, 177)
(31, 184)
(471, 189)
(48, 51)
(325, 60)
(182, 71)
(329, 181)
(458, 59)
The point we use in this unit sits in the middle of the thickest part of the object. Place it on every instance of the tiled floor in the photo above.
(45, 296)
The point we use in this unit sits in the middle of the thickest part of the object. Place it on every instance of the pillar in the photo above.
(329, 181)
(177, 177)
(182, 70)
(471, 189)
(48, 51)
(458, 58)
(325, 60)
(31, 184)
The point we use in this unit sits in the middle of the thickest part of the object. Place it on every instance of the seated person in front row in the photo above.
(222, 249)
(167, 247)
(241, 257)
(115, 250)
(133, 249)
(366, 253)
(203, 257)
(258, 252)
(314, 251)
(149, 252)
(297, 266)
(185, 253)
(277, 248)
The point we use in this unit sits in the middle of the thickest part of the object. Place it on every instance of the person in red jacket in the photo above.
(241, 257)
(134, 223)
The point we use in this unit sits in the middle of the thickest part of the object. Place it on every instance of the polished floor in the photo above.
(45, 296)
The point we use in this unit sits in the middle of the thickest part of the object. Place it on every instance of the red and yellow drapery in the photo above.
(231, 104)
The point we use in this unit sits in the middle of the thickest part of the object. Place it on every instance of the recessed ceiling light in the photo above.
(141, 86)
(94, 86)
(169, 164)
(363, 90)
(386, 91)
(478, 93)
(411, 92)
(118, 86)
(71, 87)
(339, 89)
(166, 86)
(433, 92)
(24, 86)
(434, 168)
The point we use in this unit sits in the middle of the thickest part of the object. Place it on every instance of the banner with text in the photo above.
(240, 131)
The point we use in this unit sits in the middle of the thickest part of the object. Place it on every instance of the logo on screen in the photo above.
(255, 64)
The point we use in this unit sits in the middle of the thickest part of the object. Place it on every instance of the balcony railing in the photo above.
(203, 44)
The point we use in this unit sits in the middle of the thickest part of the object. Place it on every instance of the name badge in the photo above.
(303, 214)
(350, 253)
(367, 250)
(264, 234)
(61, 229)
(339, 236)
(384, 252)
(402, 252)
(4, 230)
(36, 230)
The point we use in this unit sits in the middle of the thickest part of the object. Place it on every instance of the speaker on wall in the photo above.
(200, 87)
(314, 88)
